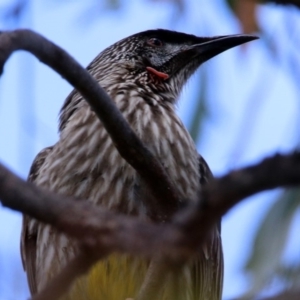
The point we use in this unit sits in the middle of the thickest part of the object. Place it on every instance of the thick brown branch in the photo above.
(128, 144)
(100, 228)
(223, 193)
(93, 226)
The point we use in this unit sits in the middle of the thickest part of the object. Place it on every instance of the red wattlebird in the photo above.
(143, 74)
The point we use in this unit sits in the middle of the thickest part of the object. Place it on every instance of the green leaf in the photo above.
(231, 4)
(201, 110)
(271, 239)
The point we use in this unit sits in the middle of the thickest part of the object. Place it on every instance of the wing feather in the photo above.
(209, 268)
(29, 228)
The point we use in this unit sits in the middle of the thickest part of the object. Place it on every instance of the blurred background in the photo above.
(241, 106)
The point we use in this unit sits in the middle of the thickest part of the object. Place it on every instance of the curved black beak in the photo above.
(219, 44)
(191, 56)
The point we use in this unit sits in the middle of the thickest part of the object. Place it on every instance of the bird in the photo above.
(143, 74)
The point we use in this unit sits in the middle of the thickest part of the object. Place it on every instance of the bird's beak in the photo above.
(216, 45)
(190, 57)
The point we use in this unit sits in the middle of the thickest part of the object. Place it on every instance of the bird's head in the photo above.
(161, 59)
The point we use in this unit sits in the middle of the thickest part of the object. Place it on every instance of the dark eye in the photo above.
(155, 42)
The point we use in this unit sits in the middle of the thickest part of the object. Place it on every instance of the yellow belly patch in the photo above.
(120, 277)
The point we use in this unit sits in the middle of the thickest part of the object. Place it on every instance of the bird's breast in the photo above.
(85, 163)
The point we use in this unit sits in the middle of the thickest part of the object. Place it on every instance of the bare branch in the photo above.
(93, 226)
(128, 144)
(99, 228)
(221, 194)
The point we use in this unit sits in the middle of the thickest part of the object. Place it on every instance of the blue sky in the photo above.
(244, 83)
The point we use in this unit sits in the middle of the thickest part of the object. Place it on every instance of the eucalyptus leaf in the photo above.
(201, 110)
(290, 275)
(270, 240)
(231, 4)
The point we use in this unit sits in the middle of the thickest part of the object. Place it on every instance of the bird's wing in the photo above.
(209, 267)
(29, 228)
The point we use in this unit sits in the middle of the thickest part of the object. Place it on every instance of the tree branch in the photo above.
(93, 226)
(221, 194)
(127, 143)
(99, 228)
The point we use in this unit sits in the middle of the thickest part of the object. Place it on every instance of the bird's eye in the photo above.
(155, 42)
